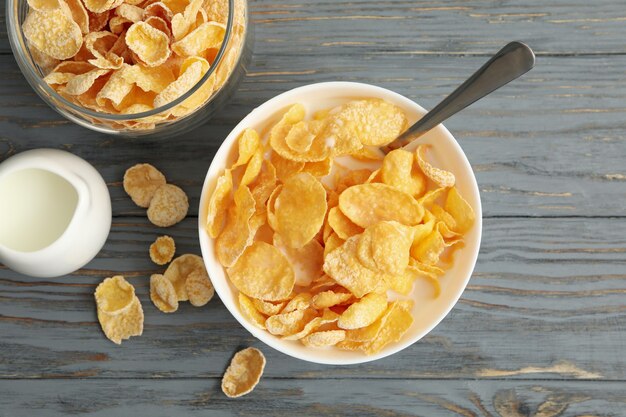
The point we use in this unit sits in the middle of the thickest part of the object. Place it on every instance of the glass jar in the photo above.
(184, 113)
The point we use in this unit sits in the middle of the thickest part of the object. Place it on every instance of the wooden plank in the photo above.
(546, 145)
(286, 397)
(380, 28)
(546, 301)
(540, 329)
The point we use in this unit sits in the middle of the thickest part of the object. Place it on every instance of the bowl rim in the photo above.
(222, 154)
(21, 51)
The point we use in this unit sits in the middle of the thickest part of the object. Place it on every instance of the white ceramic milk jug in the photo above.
(55, 212)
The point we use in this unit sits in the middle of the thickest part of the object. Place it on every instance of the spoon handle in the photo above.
(509, 63)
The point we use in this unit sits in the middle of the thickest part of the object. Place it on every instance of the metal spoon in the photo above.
(509, 63)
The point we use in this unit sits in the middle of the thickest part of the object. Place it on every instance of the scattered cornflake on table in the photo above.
(183, 267)
(119, 310)
(185, 279)
(243, 373)
(141, 182)
(163, 294)
(199, 288)
(162, 250)
(168, 206)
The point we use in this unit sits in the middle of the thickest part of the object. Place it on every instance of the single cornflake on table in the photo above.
(162, 250)
(243, 373)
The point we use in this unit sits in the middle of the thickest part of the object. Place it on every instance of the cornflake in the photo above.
(163, 294)
(199, 288)
(181, 269)
(119, 310)
(263, 272)
(53, 32)
(162, 250)
(168, 206)
(243, 373)
(141, 182)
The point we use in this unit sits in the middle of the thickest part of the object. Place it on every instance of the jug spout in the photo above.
(3, 253)
(83, 193)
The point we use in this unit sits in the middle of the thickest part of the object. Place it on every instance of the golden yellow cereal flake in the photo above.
(163, 293)
(364, 312)
(168, 206)
(238, 232)
(53, 32)
(300, 209)
(368, 204)
(199, 288)
(181, 269)
(273, 276)
(244, 372)
(218, 204)
(150, 44)
(141, 182)
(162, 250)
(119, 310)
(250, 312)
(324, 338)
(439, 176)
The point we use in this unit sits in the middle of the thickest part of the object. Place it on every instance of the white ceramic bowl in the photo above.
(446, 153)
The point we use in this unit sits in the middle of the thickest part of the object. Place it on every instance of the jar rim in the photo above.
(19, 47)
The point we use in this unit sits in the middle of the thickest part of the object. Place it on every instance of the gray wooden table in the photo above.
(541, 329)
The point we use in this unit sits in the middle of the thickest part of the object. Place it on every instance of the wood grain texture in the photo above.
(549, 144)
(288, 397)
(541, 329)
(546, 301)
(382, 28)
